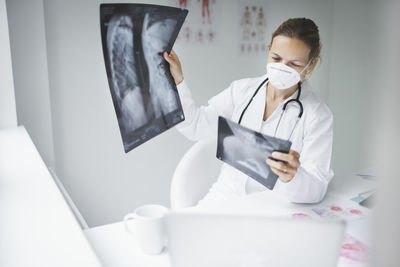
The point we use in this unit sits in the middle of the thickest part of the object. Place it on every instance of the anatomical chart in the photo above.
(145, 98)
(252, 27)
(201, 26)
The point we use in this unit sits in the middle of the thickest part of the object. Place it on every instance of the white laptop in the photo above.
(218, 240)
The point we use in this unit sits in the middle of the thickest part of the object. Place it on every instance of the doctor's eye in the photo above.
(276, 59)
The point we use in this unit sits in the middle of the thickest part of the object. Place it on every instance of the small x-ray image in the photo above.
(248, 150)
(145, 98)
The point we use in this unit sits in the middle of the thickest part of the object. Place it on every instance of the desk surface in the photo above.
(116, 247)
(37, 228)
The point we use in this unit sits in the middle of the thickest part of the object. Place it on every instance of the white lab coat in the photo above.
(312, 137)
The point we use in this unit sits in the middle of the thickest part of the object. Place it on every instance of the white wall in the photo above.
(8, 115)
(386, 133)
(105, 182)
(350, 92)
(29, 57)
(364, 96)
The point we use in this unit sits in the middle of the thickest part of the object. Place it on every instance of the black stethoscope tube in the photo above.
(296, 100)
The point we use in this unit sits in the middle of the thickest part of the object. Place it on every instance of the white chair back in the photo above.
(194, 175)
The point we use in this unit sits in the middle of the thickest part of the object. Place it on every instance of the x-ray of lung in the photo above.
(248, 150)
(145, 98)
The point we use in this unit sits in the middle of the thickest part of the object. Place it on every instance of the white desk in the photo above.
(115, 247)
(37, 228)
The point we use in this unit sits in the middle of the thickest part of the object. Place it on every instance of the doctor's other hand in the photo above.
(174, 66)
(285, 170)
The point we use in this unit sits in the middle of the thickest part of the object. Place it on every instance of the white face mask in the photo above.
(282, 76)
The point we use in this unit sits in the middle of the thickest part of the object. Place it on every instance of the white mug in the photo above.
(148, 227)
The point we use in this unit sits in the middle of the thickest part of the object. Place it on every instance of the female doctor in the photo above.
(280, 103)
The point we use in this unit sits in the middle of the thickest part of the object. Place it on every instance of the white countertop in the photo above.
(118, 248)
(37, 228)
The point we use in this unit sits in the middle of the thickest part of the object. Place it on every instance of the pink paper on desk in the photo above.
(354, 250)
(338, 212)
(301, 215)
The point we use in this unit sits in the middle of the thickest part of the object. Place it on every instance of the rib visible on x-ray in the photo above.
(155, 36)
(124, 79)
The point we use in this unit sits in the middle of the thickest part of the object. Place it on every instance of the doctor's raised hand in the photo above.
(174, 66)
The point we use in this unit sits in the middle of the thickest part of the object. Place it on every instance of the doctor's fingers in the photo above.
(173, 54)
(172, 57)
(284, 176)
(292, 157)
(282, 169)
(279, 165)
(174, 66)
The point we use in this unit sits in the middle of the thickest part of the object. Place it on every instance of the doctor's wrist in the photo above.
(177, 82)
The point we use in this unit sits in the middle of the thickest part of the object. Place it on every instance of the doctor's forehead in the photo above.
(290, 49)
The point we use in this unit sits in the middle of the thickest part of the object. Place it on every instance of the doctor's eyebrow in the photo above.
(294, 61)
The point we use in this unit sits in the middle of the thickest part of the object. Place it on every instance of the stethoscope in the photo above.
(295, 100)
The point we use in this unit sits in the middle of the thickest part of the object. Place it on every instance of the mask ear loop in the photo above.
(308, 64)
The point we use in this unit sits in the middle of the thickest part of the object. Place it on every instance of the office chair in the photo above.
(196, 172)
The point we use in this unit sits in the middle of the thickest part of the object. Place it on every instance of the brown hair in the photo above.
(304, 30)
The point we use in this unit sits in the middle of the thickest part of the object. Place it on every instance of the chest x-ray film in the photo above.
(145, 98)
(248, 150)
